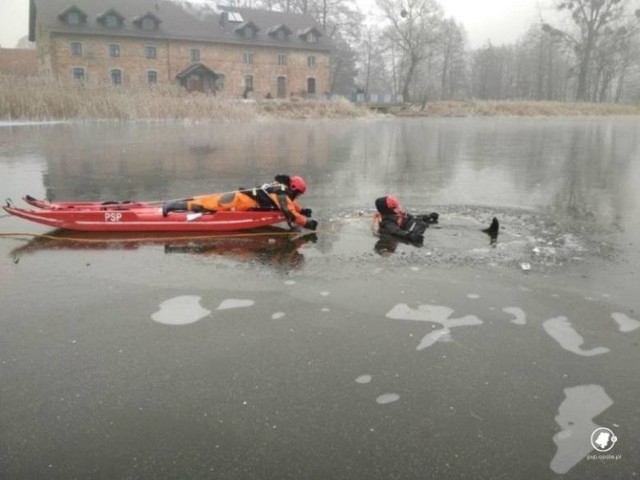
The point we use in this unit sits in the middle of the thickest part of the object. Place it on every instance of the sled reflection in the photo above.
(271, 246)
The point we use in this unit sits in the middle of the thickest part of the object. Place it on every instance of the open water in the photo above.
(335, 355)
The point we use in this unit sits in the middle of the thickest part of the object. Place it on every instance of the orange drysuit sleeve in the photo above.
(292, 206)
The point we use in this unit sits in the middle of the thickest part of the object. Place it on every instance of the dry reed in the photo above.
(40, 99)
(520, 108)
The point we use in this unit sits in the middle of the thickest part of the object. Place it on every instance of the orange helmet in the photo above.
(297, 184)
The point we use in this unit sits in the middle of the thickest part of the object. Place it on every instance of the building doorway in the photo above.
(282, 87)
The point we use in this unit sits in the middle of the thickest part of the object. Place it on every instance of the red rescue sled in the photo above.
(138, 217)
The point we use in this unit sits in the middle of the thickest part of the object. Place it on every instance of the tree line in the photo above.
(580, 50)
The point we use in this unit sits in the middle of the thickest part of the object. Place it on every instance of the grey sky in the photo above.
(503, 21)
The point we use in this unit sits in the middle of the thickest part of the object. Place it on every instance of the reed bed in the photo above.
(518, 108)
(39, 99)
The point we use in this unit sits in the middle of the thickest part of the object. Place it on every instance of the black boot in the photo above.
(175, 206)
(493, 230)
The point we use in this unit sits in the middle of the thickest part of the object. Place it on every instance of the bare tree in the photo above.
(592, 18)
(413, 27)
(452, 44)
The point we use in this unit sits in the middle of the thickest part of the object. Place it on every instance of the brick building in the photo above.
(235, 51)
(18, 61)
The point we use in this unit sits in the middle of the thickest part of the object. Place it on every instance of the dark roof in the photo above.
(184, 21)
(72, 8)
(277, 28)
(196, 67)
(111, 11)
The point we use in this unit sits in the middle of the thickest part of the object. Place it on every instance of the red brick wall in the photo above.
(18, 61)
(174, 56)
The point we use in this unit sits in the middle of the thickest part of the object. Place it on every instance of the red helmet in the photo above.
(297, 184)
(392, 202)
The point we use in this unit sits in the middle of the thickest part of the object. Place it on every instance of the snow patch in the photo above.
(561, 331)
(181, 310)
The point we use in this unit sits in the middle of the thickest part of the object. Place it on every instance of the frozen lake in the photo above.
(328, 356)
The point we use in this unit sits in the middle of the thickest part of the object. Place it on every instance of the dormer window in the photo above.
(73, 16)
(111, 19)
(147, 22)
(279, 32)
(310, 35)
(247, 30)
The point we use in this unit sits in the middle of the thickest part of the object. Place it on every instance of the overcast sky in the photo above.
(502, 21)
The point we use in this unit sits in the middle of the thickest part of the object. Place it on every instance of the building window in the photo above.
(75, 48)
(111, 21)
(312, 37)
(78, 74)
(148, 24)
(311, 85)
(73, 18)
(247, 58)
(152, 77)
(114, 50)
(248, 83)
(195, 55)
(282, 59)
(116, 76)
(150, 51)
(311, 61)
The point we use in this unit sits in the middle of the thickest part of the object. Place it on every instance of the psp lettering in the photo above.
(112, 216)
(604, 456)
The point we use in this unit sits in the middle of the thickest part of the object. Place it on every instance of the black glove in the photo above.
(416, 239)
(311, 224)
(429, 218)
(306, 212)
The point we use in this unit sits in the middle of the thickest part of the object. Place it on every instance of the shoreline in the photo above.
(37, 100)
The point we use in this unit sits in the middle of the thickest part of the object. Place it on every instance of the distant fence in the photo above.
(376, 98)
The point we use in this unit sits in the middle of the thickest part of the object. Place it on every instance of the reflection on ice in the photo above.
(625, 323)
(432, 313)
(581, 405)
(180, 311)
(561, 331)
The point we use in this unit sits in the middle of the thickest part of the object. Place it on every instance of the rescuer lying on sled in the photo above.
(393, 220)
(279, 195)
